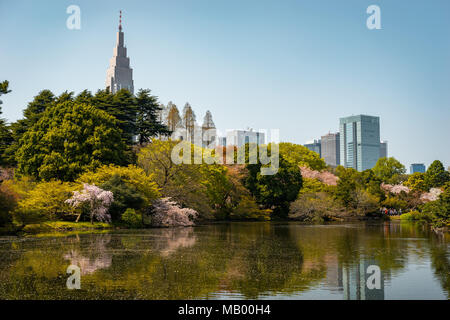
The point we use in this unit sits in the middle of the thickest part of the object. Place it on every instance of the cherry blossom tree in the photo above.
(323, 176)
(432, 195)
(395, 189)
(98, 200)
(167, 213)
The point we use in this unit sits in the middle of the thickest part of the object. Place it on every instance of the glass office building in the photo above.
(315, 146)
(360, 141)
(330, 149)
(417, 167)
(383, 149)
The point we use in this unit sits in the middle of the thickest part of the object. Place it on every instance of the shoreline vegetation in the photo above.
(72, 164)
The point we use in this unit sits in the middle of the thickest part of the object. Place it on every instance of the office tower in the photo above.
(330, 149)
(417, 167)
(314, 146)
(360, 141)
(239, 138)
(383, 149)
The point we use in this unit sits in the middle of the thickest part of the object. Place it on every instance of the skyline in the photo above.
(226, 54)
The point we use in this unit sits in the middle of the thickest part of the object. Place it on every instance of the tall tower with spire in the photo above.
(119, 74)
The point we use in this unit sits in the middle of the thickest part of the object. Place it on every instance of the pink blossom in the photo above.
(323, 176)
(98, 199)
(395, 189)
(167, 213)
(432, 195)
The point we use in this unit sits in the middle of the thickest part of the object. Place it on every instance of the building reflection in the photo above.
(362, 280)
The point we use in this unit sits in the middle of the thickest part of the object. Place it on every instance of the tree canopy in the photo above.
(275, 191)
(68, 139)
(436, 176)
(5, 133)
(301, 156)
(389, 170)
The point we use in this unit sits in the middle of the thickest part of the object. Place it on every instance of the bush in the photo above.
(248, 209)
(132, 219)
(315, 207)
(415, 216)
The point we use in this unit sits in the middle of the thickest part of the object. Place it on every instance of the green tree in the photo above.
(85, 96)
(184, 183)
(32, 113)
(122, 106)
(315, 207)
(346, 186)
(125, 196)
(389, 170)
(439, 211)
(133, 177)
(69, 139)
(275, 191)
(147, 123)
(47, 199)
(301, 156)
(5, 132)
(416, 182)
(436, 176)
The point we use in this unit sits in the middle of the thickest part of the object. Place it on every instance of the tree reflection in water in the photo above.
(244, 260)
(92, 255)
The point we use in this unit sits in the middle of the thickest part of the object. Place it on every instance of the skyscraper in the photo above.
(239, 138)
(383, 149)
(360, 141)
(315, 146)
(330, 149)
(417, 167)
(119, 74)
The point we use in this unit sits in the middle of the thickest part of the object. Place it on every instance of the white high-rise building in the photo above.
(239, 138)
(119, 74)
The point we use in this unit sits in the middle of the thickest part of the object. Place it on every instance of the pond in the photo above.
(256, 260)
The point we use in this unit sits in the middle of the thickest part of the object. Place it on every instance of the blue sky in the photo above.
(296, 66)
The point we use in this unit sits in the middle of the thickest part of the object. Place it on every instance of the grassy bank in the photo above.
(64, 227)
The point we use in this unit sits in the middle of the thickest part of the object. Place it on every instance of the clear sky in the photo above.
(296, 65)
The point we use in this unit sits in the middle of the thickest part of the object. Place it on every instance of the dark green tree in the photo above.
(5, 132)
(68, 139)
(347, 186)
(85, 97)
(125, 196)
(439, 210)
(32, 114)
(436, 176)
(122, 106)
(274, 191)
(147, 123)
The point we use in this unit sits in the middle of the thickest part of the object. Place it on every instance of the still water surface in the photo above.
(233, 261)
